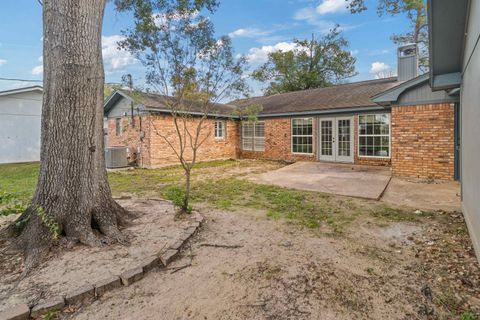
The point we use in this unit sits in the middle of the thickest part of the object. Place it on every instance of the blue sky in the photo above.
(256, 26)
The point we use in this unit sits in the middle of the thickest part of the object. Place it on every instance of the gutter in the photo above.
(282, 114)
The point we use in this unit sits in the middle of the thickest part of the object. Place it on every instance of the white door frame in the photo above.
(335, 157)
(321, 156)
(338, 157)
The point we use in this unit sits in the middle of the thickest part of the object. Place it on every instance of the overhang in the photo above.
(391, 95)
(446, 24)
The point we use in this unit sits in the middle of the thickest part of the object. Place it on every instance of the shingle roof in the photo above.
(350, 95)
(157, 102)
(343, 96)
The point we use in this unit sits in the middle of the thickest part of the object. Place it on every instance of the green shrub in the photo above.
(176, 194)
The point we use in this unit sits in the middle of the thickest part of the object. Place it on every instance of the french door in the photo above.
(336, 139)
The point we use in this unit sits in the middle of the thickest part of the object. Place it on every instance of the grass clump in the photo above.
(176, 194)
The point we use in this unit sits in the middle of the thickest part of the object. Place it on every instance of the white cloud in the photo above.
(2, 62)
(311, 16)
(331, 6)
(381, 70)
(248, 33)
(260, 55)
(37, 70)
(114, 58)
(354, 52)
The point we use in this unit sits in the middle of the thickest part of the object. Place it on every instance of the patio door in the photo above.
(336, 139)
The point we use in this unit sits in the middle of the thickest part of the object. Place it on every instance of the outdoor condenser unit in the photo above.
(116, 157)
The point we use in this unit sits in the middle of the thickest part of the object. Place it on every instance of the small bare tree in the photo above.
(191, 69)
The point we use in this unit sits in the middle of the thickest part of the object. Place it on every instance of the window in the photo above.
(118, 127)
(302, 135)
(220, 128)
(374, 135)
(253, 136)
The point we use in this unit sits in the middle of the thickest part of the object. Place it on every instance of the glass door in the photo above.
(336, 139)
(344, 139)
(327, 139)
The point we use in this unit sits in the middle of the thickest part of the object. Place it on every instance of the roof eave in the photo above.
(391, 95)
(446, 22)
(21, 90)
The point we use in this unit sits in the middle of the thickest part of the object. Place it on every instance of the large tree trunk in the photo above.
(72, 186)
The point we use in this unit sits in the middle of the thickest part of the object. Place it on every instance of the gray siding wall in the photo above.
(470, 118)
(423, 94)
(20, 119)
(120, 108)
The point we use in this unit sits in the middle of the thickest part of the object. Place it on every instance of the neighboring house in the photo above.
(397, 122)
(455, 65)
(136, 122)
(20, 120)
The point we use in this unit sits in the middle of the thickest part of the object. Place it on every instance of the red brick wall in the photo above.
(212, 149)
(423, 141)
(278, 142)
(155, 151)
(129, 137)
(368, 161)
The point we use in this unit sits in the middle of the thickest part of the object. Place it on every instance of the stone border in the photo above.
(89, 293)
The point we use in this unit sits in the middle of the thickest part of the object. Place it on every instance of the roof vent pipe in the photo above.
(407, 62)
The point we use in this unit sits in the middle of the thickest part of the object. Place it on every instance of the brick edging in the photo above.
(86, 294)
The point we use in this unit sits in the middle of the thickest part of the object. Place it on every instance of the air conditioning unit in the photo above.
(116, 157)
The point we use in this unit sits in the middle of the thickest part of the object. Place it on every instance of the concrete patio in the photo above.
(366, 182)
(342, 179)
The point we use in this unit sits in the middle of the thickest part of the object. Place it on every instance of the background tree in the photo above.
(188, 67)
(312, 64)
(72, 192)
(416, 12)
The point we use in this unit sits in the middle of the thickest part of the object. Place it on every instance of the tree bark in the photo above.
(72, 186)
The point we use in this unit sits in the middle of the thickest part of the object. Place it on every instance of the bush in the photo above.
(176, 194)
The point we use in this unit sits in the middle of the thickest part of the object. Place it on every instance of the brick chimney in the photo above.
(407, 62)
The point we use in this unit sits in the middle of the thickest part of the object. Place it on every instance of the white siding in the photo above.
(470, 115)
(20, 117)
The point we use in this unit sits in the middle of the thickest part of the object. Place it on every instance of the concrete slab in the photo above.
(419, 194)
(343, 179)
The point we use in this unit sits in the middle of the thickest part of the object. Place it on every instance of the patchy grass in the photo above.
(310, 209)
(219, 183)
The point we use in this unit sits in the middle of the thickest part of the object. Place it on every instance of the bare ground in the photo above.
(388, 270)
(65, 270)
(364, 260)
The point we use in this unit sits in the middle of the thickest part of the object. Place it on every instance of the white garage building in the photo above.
(20, 117)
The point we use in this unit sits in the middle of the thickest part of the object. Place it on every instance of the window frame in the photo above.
(312, 135)
(224, 129)
(375, 135)
(254, 136)
(118, 127)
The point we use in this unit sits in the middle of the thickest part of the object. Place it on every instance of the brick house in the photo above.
(398, 122)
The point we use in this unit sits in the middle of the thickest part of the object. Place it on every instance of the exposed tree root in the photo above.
(35, 238)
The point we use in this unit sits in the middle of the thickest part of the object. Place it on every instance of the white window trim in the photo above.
(254, 136)
(377, 135)
(224, 129)
(291, 138)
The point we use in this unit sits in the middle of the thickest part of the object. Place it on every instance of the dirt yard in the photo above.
(267, 252)
(279, 270)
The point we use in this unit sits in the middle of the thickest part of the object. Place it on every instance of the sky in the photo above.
(257, 27)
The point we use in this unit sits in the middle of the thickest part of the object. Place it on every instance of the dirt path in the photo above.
(280, 272)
